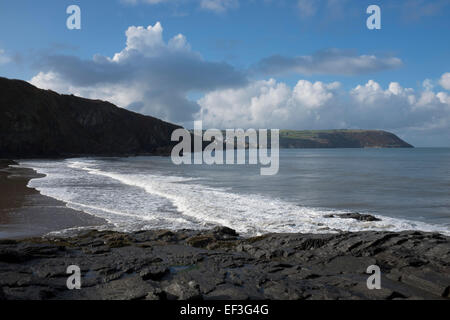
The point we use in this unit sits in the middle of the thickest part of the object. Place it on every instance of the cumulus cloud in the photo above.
(445, 81)
(149, 75)
(269, 104)
(330, 61)
(318, 105)
(155, 76)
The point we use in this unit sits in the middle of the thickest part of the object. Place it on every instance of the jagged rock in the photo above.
(129, 288)
(179, 265)
(183, 291)
(354, 215)
(427, 280)
(154, 273)
(200, 241)
(28, 293)
(229, 292)
(346, 264)
(224, 232)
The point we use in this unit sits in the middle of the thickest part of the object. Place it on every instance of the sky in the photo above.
(287, 64)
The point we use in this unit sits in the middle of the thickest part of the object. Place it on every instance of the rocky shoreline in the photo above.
(205, 265)
(220, 265)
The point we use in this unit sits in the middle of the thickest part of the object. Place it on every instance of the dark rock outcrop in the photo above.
(162, 264)
(354, 215)
(42, 123)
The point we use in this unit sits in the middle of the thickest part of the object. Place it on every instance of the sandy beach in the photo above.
(25, 213)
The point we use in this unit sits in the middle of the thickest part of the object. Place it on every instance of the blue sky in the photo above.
(300, 64)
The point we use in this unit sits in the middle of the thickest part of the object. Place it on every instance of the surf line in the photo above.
(237, 142)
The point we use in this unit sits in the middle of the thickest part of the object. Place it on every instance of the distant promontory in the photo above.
(340, 139)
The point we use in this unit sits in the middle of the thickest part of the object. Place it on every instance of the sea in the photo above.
(408, 189)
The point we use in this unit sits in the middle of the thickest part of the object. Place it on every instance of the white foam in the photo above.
(200, 206)
(123, 208)
(249, 214)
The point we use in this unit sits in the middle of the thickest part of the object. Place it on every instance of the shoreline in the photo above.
(213, 264)
(26, 213)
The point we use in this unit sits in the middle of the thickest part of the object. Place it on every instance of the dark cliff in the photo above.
(42, 123)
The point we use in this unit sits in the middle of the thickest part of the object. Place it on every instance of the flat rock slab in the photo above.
(218, 264)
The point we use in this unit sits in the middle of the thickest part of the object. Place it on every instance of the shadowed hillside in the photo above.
(42, 123)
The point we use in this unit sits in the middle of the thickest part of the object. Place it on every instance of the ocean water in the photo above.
(409, 189)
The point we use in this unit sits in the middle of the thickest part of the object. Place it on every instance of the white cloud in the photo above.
(149, 75)
(308, 105)
(119, 94)
(269, 104)
(443, 97)
(330, 61)
(427, 84)
(445, 81)
(372, 93)
(148, 42)
(314, 95)
(153, 76)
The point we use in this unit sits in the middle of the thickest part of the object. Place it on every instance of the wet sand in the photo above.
(25, 213)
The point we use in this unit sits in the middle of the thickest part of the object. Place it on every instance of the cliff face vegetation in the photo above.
(42, 123)
(340, 139)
